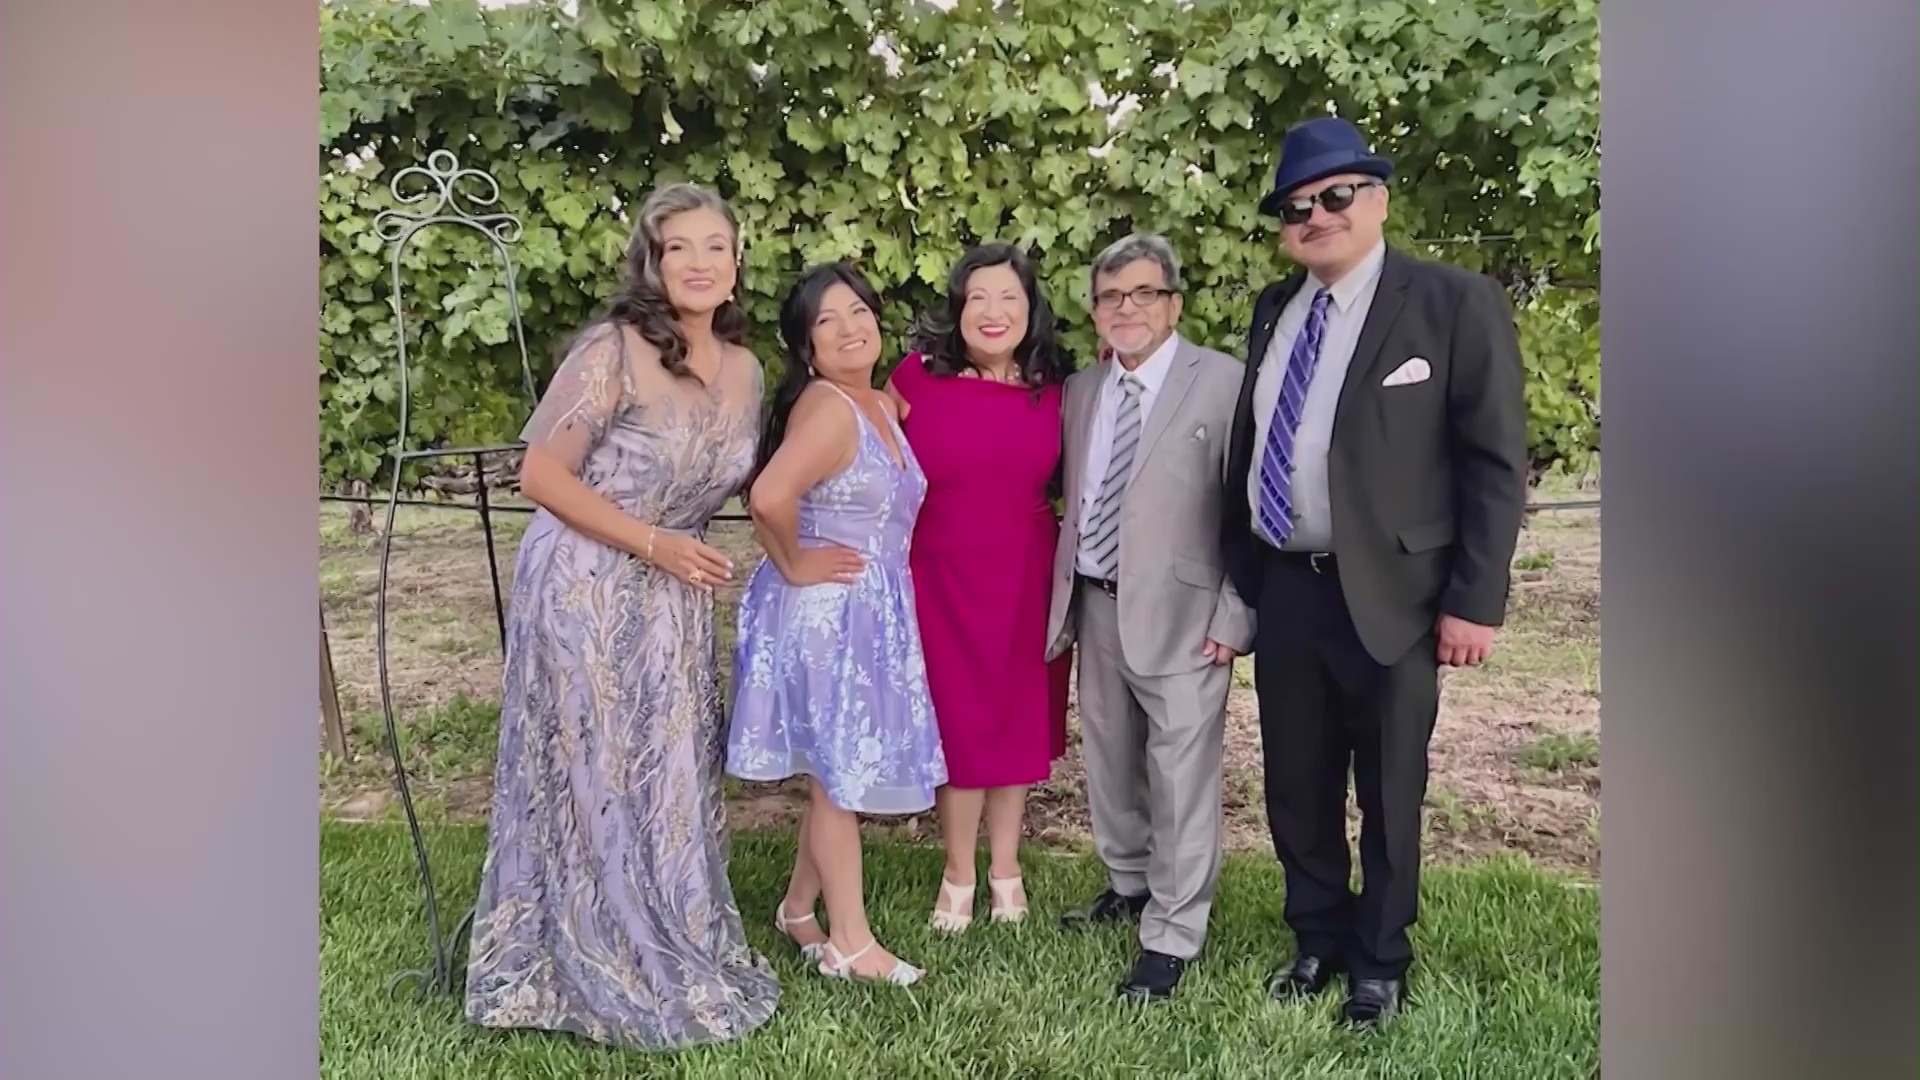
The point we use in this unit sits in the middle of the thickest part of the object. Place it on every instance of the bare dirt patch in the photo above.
(1514, 756)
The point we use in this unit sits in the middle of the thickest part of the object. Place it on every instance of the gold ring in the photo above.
(694, 577)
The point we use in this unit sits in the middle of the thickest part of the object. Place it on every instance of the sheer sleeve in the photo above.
(585, 395)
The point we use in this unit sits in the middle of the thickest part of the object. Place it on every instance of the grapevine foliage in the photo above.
(896, 133)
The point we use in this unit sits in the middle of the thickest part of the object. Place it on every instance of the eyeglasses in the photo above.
(1143, 297)
(1297, 210)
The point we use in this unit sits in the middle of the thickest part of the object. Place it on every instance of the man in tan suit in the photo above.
(1139, 582)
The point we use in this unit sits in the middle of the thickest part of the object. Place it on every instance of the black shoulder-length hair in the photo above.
(797, 314)
(1040, 356)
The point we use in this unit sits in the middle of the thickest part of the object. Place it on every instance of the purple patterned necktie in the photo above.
(1276, 464)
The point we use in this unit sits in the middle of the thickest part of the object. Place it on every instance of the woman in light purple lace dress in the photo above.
(829, 681)
(604, 906)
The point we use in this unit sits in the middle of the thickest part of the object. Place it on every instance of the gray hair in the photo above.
(1132, 248)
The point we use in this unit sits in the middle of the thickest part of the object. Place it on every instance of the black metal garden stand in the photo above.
(441, 201)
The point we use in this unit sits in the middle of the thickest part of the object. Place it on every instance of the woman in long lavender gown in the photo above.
(604, 906)
(829, 682)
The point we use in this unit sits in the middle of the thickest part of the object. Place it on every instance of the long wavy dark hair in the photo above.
(797, 314)
(1040, 356)
(642, 300)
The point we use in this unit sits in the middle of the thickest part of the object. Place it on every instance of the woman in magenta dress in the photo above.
(980, 399)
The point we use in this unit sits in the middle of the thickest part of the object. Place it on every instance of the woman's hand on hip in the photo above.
(830, 565)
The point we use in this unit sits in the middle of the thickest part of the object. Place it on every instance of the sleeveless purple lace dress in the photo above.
(829, 680)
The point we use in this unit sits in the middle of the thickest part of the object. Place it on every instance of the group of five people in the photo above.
(1343, 506)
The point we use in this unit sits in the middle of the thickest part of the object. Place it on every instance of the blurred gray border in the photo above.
(159, 874)
(1762, 349)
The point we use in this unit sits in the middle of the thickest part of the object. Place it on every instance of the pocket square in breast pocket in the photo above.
(1200, 433)
(1416, 370)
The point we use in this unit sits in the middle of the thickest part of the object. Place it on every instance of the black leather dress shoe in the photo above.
(1108, 907)
(1154, 977)
(1303, 978)
(1372, 1002)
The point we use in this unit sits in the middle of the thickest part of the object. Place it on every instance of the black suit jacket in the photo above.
(1427, 481)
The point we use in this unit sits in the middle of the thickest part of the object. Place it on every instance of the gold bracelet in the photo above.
(652, 531)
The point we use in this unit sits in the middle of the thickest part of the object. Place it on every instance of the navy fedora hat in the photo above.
(1319, 148)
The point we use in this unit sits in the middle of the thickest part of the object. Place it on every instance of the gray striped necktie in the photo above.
(1102, 541)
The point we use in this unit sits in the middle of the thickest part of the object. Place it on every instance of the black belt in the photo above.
(1105, 585)
(1320, 562)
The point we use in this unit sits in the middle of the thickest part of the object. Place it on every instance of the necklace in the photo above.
(1011, 378)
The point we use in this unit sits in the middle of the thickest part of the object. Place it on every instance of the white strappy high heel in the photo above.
(781, 923)
(1004, 910)
(959, 898)
(835, 966)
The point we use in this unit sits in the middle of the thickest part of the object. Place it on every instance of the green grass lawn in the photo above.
(1508, 983)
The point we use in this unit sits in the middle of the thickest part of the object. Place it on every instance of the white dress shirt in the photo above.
(1152, 374)
(1346, 314)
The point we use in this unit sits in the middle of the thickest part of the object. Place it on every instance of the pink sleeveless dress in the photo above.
(982, 563)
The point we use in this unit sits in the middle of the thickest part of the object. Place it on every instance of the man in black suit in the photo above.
(1377, 479)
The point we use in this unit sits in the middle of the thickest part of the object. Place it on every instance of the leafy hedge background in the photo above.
(897, 133)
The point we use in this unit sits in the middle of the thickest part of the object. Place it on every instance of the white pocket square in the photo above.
(1200, 433)
(1416, 370)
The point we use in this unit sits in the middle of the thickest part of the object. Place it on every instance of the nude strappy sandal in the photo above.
(835, 966)
(782, 923)
(1004, 910)
(960, 899)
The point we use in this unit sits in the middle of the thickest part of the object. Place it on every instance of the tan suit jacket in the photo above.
(1173, 589)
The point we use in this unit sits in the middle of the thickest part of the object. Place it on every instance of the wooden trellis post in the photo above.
(330, 697)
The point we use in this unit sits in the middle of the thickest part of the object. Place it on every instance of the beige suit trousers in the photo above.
(1153, 748)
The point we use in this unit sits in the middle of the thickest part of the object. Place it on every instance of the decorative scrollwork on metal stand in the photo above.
(463, 198)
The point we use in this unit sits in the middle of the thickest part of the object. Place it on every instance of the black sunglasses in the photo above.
(1299, 209)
